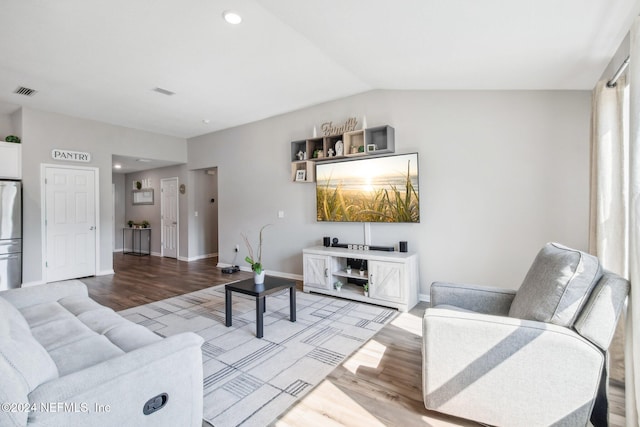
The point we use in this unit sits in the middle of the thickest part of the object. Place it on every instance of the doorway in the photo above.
(169, 217)
(203, 241)
(70, 216)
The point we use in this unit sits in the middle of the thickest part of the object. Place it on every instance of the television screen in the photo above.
(369, 189)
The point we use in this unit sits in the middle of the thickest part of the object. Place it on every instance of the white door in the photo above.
(169, 217)
(70, 223)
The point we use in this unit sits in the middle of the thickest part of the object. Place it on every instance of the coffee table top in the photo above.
(271, 285)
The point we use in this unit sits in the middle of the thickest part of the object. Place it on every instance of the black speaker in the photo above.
(403, 246)
(326, 241)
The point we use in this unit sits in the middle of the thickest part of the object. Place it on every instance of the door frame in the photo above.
(177, 215)
(43, 212)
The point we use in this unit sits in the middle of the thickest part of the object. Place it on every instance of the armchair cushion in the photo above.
(480, 299)
(556, 286)
(506, 371)
(598, 319)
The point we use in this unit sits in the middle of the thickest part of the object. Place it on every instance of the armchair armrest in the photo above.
(481, 299)
(114, 392)
(507, 371)
(39, 294)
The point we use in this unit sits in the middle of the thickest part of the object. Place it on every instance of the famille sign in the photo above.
(72, 156)
(329, 129)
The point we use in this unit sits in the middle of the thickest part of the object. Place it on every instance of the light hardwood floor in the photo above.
(379, 385)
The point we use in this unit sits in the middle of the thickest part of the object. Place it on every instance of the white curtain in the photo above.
(632, 359)
(615, 207)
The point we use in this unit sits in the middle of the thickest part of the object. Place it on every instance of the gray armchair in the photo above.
(537, 356)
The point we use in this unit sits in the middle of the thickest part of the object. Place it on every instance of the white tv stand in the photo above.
(392, 276)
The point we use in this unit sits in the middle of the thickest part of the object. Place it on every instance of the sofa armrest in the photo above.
(39, 294)
(481, 299)
(115, 391)
(507, 371)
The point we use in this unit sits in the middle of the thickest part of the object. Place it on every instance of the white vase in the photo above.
(258, 278)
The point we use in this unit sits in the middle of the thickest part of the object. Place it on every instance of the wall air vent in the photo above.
(163, 91)
(21, 90)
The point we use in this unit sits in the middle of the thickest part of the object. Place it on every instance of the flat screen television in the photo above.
(368, 189)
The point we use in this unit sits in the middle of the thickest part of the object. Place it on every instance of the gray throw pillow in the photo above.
(556, 286)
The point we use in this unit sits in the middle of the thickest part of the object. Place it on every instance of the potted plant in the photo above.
(138, 185)
(365, 287)
(130, 223)
(256, 263)
(12, 138)
(145, 224)
(338, 285)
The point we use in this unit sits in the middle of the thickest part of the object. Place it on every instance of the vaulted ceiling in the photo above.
(102, 60)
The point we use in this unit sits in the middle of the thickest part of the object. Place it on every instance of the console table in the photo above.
(137, 232)
(392, 276)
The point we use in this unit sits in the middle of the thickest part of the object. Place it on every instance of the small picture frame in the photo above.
(143, 197)
(301, 175)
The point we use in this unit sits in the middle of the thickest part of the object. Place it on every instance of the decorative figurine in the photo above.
(339, 148)
(330, 152)
(300, 155)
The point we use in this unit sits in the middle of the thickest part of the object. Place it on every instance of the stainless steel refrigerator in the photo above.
(10, 234)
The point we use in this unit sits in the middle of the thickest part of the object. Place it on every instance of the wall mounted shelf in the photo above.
(375, 140)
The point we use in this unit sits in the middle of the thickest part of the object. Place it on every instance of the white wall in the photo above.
(501, 173)
(43, 131)
(119, 220)
(6, 126)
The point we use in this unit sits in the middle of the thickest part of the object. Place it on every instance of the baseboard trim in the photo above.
(196, 258)
(424, 297)
(35, 283)
(118, 250)
(105, 272)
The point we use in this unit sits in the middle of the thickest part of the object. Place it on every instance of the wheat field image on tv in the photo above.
(383, 189)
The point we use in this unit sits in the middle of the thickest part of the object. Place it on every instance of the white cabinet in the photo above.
(386, 281)
(10, 160)
(316, 271)
(392, 276)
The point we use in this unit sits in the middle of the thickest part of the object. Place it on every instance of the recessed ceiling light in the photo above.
(232, 17)
(206, 121)
(117, 166)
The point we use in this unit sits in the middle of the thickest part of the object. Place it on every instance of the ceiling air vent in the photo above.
(163, 91)
(21, 90)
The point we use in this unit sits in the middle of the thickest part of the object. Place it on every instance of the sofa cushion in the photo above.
(556, 286)
(60, 332)
(130, 337)
(83, 353)
(19, 349)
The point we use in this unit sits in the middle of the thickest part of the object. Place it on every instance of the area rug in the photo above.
(250, 381)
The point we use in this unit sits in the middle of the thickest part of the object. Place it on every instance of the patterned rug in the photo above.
(250, 381)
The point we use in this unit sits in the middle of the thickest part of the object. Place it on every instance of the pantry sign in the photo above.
(72, 156)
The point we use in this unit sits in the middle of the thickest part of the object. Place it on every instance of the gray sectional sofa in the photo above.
(66, 360)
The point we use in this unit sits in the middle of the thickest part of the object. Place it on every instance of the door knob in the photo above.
(92, 228)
